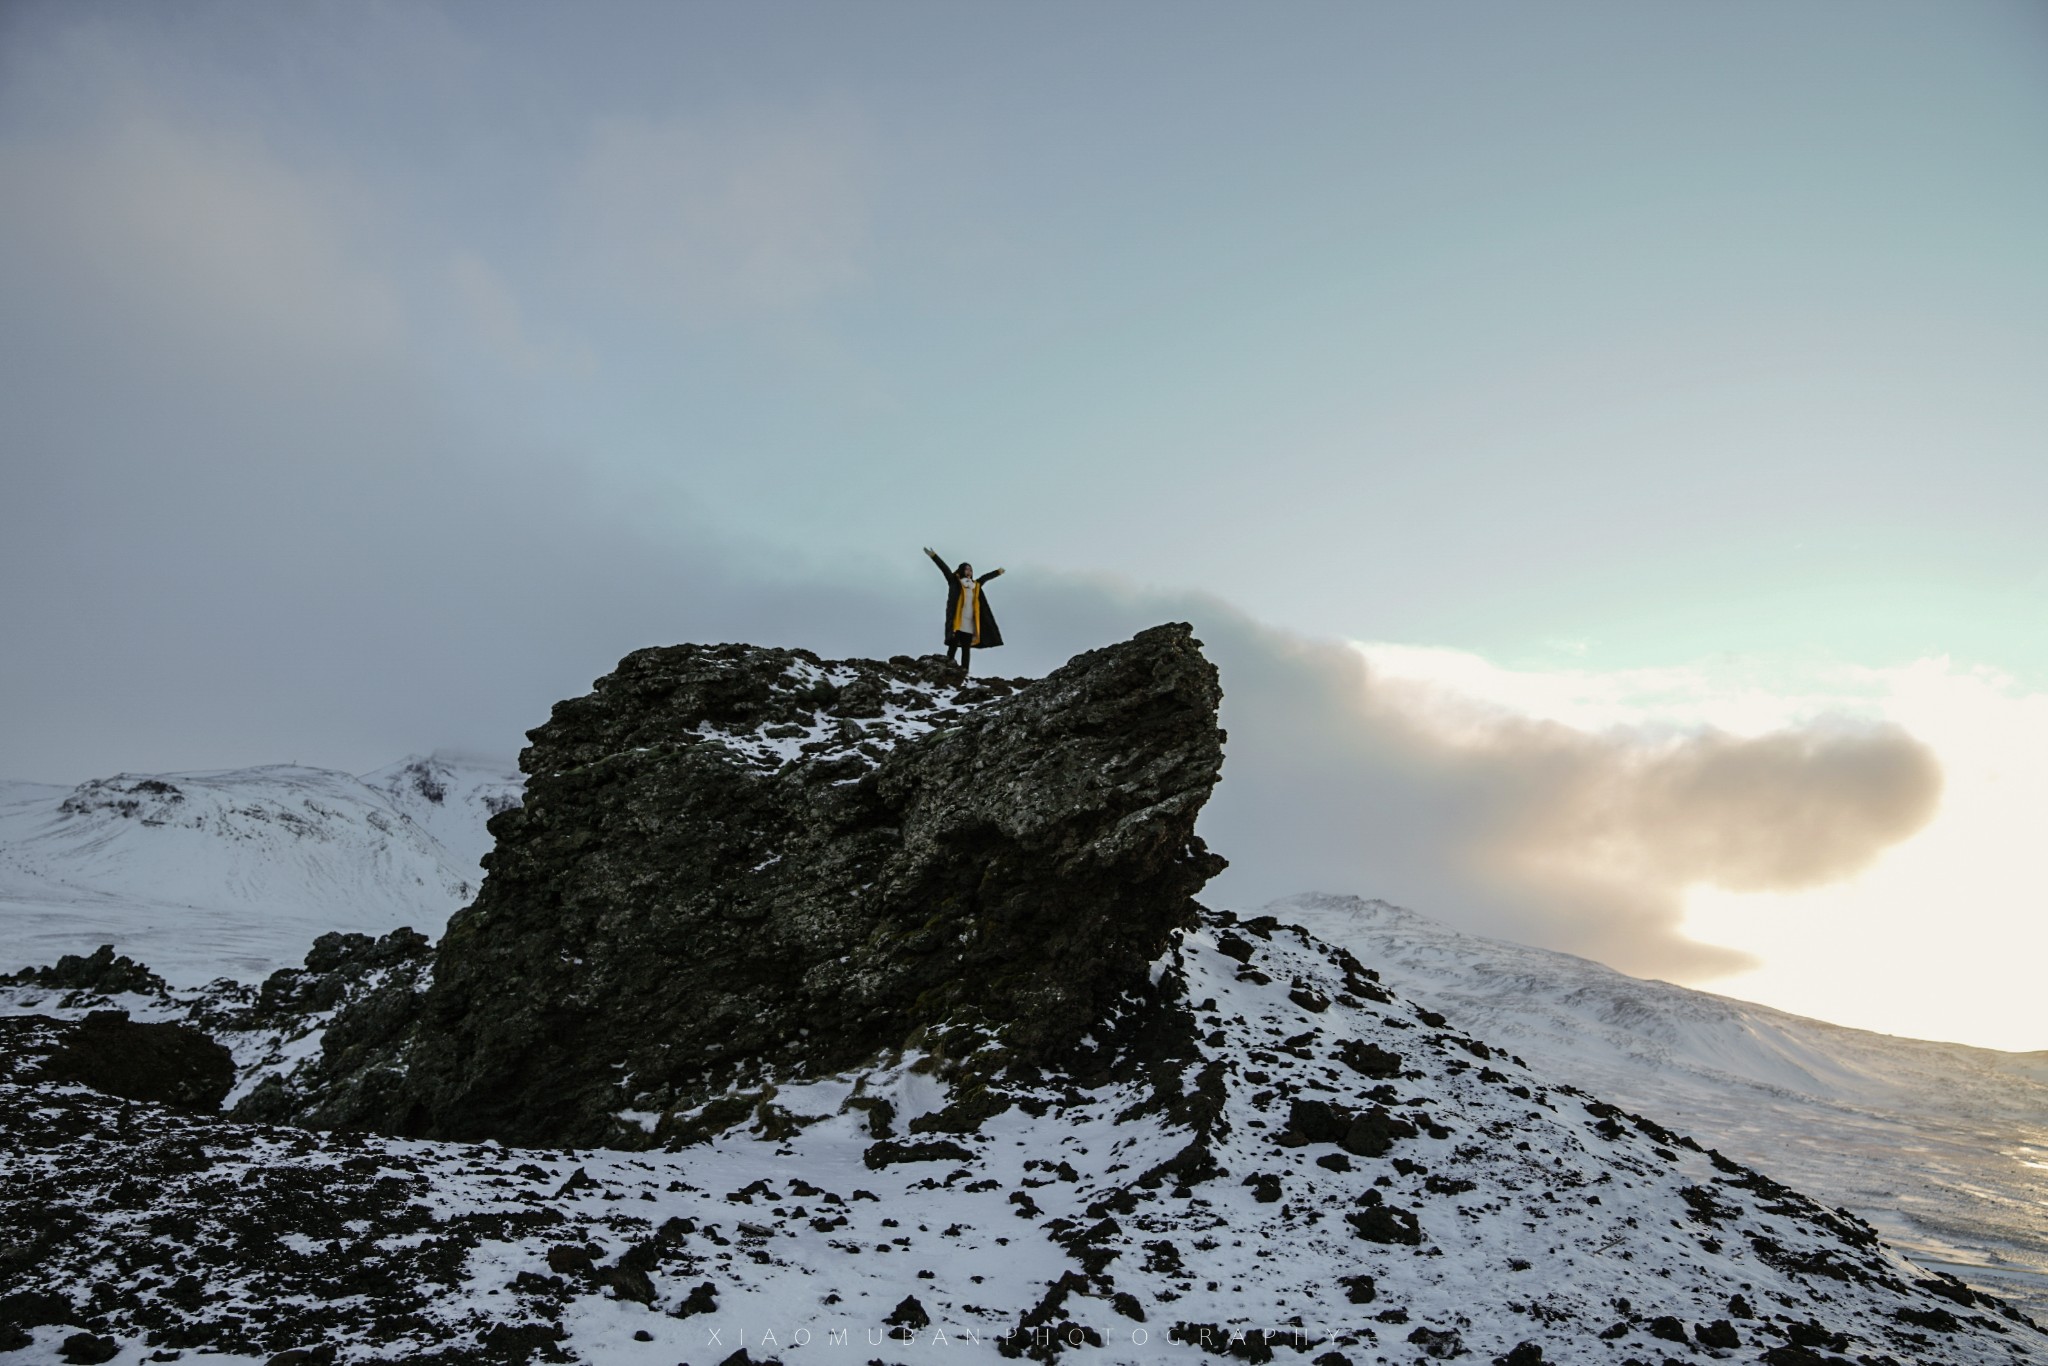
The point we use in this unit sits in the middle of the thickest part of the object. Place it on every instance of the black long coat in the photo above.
(990, 634)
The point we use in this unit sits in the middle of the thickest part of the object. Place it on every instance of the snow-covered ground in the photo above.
(1277, 1158)
(234, 873)
(1942, 1146)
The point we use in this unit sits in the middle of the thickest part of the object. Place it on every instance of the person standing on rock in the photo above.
(970, 621)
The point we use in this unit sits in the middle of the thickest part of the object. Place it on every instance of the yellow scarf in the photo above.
(968, 616)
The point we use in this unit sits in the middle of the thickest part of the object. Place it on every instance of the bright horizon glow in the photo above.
(1942, 937)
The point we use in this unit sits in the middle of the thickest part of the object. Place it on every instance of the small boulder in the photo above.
(169, 1064)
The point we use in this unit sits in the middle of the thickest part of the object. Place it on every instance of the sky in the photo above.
(1601, 444)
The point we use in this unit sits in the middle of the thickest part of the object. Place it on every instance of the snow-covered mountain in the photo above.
(234, 873)
(451, 796)
(1942, 1146)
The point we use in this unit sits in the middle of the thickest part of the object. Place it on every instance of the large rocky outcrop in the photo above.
(737, 863)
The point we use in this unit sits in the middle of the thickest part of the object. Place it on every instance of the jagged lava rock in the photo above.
(739, 863)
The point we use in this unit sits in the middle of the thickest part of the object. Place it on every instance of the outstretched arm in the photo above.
(992, 574)
(939, 562)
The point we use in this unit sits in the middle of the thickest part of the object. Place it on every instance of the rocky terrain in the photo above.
(1058, 1112)
(734, 863)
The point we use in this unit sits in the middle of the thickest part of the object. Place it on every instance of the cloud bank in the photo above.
(1340, 779)
(246, 524)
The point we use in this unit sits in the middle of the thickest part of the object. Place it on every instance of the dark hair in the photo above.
(964, 566)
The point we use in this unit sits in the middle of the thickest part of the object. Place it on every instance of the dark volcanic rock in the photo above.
(101, 971)
(169, 1063)
(735, 862)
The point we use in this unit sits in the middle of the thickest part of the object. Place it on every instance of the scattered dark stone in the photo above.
(1336, 1162)
(1163, 1257)
(36, 1308)
(1234, 946)
(579, 1180)
(522, 1342)
(572, 1259)
(1438, 1343)
(1265, 1187)
(1246, 1344)
(101, 971)
(533, 1283)
(1193, 1164)
(1318, 1121)
(170, 1064)
(1373, 1132)
(1359, 1289)
(889, 1152)
(1811, 1333)
(1796, 1354)
(89, 1349)
(1739, 1307)
(1367, 1133)
(702, 1300)
(628, 1283)
(1720, 1334)
(908, 1314)
(1934, 1320)
(964, 1114)
(1814, 1262)
(1521, 1354)
(1949, 1288)
(1041, 1330)
(1369, 1060)
(1667, 1327)
(1384, 1223)
(1704, 1207)
(322, 1355)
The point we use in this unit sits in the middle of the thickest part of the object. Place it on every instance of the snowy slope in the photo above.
(451, 796)
(234, 873)
(1943, 1147)
(1177, 1196)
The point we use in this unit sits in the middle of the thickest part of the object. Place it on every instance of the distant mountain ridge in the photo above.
(233, 872)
